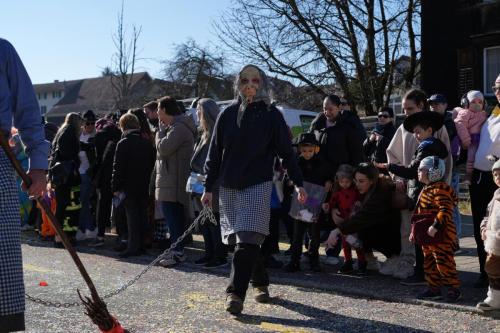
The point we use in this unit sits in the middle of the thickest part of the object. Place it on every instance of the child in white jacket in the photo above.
(490, 233)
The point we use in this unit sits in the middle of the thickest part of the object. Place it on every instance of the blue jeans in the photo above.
(85, 220)
(457, 219)
(174, 216)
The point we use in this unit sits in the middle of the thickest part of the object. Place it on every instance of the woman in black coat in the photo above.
(376, 222)
(247, 137)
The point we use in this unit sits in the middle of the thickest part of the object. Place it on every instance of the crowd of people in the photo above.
(150, 171)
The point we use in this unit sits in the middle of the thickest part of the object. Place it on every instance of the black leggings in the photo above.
(481, 191)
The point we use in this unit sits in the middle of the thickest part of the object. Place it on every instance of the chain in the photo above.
(205, 214)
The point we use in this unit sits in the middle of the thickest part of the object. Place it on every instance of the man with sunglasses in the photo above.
(376, 144)
(87, 228)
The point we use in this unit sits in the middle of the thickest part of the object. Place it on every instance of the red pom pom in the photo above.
(43, 284)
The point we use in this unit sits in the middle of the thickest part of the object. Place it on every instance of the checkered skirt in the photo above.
(11, 262)
(248, 209)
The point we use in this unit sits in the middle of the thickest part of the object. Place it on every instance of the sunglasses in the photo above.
(383, 115)
(495, 89)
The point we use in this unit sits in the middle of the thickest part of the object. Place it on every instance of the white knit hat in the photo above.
(474, 94)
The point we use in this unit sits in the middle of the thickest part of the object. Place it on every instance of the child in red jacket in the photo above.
(343, 202)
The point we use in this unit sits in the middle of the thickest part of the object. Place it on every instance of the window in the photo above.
(44, 95)
(491, 67)
(43, 109)
(54, 94)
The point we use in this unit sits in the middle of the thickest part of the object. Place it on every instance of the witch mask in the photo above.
(250, 81)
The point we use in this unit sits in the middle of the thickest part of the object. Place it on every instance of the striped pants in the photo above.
(439, 265)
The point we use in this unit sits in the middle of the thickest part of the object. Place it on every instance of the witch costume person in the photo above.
(248, 135)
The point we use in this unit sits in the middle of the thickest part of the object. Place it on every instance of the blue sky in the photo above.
(65, 40)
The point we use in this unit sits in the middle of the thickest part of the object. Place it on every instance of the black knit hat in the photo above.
(89, 115)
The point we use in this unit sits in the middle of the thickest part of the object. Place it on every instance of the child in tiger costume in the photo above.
(439, 264)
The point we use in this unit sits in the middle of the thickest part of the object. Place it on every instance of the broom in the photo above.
(95, 308)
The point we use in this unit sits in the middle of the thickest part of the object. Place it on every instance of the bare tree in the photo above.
(352, 44)
(200, 68)
(123, 61)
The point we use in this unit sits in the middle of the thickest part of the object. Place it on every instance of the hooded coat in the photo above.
(174, 148)
(341, 143)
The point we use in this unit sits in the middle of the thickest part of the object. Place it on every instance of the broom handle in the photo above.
(53, 220)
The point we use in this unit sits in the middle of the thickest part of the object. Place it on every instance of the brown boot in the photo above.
(234, 304)
(261, 294)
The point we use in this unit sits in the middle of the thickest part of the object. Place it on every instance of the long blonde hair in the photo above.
(74, 120)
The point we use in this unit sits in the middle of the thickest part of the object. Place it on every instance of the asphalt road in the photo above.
(191, 299)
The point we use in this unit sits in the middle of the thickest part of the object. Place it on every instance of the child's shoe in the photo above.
(346, 267)
(362, 268)
(315, 267)
(453, 295)
(291, 267)
(431, 294)
(491, 302)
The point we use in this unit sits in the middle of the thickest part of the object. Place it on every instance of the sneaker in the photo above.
(362, 268)
(202, 261)
(486, 307)
(291, 267)
(91, 234)
(332, 261)
(430, 294)
(234, 304)
(272, 262)
(388, 267)
(346, 268)
(453, 295)
(120, 246)
(315, 267)
(261, 294)
(98, 241)
(403, 270)
(80, 236)
(414, 280)
(173, 259)
(214, 263)
(482, 281)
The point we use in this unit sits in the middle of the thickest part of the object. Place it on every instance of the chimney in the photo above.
(56, 81)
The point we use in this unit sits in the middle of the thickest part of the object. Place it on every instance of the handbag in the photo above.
(195, 183)
(420, 224)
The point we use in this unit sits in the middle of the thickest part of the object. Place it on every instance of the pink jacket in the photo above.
(467, 123)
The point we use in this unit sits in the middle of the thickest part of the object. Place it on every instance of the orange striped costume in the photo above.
(439, 262)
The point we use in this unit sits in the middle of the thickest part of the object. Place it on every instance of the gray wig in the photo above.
(264, 93)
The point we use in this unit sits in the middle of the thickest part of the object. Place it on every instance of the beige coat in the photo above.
(403, 145)
(174, 147)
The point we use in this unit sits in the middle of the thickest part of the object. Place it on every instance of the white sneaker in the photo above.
(91, 234)
(331, 261)
(389, 266)
(403, 270)
(80, 236)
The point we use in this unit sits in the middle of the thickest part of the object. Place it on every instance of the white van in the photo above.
(298, 120)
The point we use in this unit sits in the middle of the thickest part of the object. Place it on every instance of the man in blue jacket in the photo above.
(18, 107)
